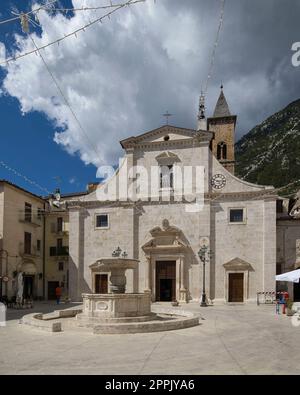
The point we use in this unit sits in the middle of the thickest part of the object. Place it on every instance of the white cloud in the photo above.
(120, 76)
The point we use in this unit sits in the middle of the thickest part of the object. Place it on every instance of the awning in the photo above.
(292, 277)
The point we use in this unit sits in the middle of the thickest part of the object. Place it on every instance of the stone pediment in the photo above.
(238, 264)
(163, 134)
(165, 237)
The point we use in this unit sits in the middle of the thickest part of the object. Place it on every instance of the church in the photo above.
(235, 224)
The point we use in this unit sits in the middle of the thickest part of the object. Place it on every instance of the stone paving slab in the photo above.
(231, 340)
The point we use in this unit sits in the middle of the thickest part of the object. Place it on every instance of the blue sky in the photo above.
(27, 140)
(122, 75)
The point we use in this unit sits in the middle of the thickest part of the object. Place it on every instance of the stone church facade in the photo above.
(237, 222)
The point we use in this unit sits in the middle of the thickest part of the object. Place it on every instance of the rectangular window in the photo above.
(39, 213)
(28, 212)
(59, 224)
(38, 245)
(27, 243)
(59, 243)
(166, 176)
(102, 221)
(60, 266)
(237, 216)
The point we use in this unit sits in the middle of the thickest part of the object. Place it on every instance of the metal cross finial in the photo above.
(167, 115)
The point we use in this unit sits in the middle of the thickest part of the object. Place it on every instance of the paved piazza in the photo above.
(230, 340)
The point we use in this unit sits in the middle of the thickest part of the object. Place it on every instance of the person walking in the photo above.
(58, 294)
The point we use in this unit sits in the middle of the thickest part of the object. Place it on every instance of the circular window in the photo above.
(167, 138)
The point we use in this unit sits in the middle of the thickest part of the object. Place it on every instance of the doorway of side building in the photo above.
(52, 285)
(236, 288)
(165, 281)
(296, 292)
(28, 291)
(101, 283)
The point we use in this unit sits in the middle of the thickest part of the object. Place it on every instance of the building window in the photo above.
(166, 176)
(28, 212)
(59, 243)
(221, 151)
(60, 266)
(27, 243)
(102, 221)
(39, 213)
(237, 216)
(59, 224)
(38, 245)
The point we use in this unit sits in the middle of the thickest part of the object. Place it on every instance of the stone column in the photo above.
(148, 274)
(182, 290)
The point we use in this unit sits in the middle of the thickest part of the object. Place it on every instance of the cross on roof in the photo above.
(167, 115)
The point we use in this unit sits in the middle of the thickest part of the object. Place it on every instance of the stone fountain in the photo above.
(116, 311)
(117, 306)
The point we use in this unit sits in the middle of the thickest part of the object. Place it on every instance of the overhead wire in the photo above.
(73, 33)
(44, 6)
(216, 43)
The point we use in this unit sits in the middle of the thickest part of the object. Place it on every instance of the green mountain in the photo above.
(270, 153)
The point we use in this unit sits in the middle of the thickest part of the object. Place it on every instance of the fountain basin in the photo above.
(113, 306)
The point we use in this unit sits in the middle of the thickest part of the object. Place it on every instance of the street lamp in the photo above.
(203, 253)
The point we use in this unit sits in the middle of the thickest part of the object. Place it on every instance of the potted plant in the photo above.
(289, 308)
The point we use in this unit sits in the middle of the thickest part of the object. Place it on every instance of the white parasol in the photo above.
(292, 277)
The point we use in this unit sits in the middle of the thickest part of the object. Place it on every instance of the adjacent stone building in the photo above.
(237, 222)
(21, 240)
(57, 245)
(288, 242)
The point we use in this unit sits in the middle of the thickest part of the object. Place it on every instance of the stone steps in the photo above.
(158, 325)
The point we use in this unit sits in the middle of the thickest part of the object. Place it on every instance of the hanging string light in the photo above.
(27, 179)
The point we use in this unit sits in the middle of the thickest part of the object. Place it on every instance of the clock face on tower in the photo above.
(218, 181)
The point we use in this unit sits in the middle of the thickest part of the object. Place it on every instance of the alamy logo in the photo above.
(2, 314)
(296, 56)
(165, 182)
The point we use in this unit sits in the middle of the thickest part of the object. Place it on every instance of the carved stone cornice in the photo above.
(208, 197)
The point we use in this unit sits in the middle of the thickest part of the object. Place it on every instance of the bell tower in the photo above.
(222, 123)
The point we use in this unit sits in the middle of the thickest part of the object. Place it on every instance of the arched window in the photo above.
(222, 151)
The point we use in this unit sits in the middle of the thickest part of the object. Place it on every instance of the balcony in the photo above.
(60, 230)
(27, 252)
(59, 251)
(31, 219)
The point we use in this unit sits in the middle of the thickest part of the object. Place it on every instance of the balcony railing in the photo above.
(25, 250)
(59, 251)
